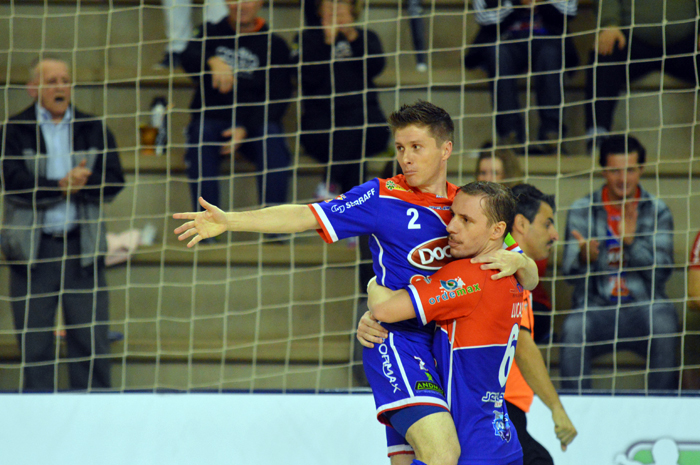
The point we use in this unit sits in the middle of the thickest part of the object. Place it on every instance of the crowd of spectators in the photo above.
(618, 245)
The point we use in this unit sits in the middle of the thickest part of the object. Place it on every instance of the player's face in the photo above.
(622, 175)
(243, 12)
(469, 229)
(422, 160)
(490, 169)
(540, 234)
(54, 90)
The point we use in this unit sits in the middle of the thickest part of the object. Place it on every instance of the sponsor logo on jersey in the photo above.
(338, 208)
(387, 367)
(435, 207)
(360, 200)
(501, 425)
(417, 278)
(517, 311)
(459, 290)
(431, 255)
(493, 397)
(392, 186)
(428, 386)
(451, 284)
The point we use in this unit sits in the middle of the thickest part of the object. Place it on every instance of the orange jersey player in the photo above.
(479, 322)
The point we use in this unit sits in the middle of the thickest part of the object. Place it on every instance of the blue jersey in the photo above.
(407, 230)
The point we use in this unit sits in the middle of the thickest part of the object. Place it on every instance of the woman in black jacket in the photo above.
(341, 121)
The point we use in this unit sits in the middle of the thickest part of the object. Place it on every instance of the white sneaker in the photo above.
(422, 67)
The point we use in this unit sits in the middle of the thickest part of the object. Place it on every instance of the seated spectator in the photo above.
(59, 168)
(694, 275)
(178, 26)
(618, 256)
(634, 39)
(341, 119)
(518, 36)
(502, 165)
(239, 94)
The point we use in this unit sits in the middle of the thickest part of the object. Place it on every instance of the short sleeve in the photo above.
(348, 215)
(452, 292)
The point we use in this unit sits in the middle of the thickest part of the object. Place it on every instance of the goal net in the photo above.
(265, 312)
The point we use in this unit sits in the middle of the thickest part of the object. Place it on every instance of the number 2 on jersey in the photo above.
(413, 223)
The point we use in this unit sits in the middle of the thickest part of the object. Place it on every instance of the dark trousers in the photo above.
(534, 453)
(36, 293)
(504, 62)
(613, 74)
(650, 330)
(266, 148)
(345, 146)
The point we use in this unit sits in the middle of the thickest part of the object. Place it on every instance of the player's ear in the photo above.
(446, 150)
(499, 230)
(520, 224)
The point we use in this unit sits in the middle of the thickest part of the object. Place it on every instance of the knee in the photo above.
(447, 455)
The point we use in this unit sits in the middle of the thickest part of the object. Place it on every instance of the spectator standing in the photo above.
(59, 167)
(634, 39)
(178, 26)
(342, 121)
(242, 86)
(517, 36)
(618, 256)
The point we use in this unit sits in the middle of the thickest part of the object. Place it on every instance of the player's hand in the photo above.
(589, 250)
(237, 135)
(506, 261)
(563, 428)
(222, 77)
(203, 225)
(607, 38)
(369, 331)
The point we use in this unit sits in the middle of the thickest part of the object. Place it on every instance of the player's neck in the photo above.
(489, 248)
(439, 187)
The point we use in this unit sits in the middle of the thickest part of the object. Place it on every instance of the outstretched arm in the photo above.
(529, 360)
(214, 221)
(511, 263)
(387, 305)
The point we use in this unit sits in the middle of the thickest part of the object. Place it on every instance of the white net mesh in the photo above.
(257, 312)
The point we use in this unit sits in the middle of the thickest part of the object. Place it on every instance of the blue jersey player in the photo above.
(406, 218)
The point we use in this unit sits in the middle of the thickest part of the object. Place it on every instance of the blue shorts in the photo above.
(402, 373)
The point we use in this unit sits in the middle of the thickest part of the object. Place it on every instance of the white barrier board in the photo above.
(305, 429)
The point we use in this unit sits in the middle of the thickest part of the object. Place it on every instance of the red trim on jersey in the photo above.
(695, 253)
(322, 231)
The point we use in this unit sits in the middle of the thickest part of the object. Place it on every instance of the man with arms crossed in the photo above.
(406, 217)
(478, 323)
